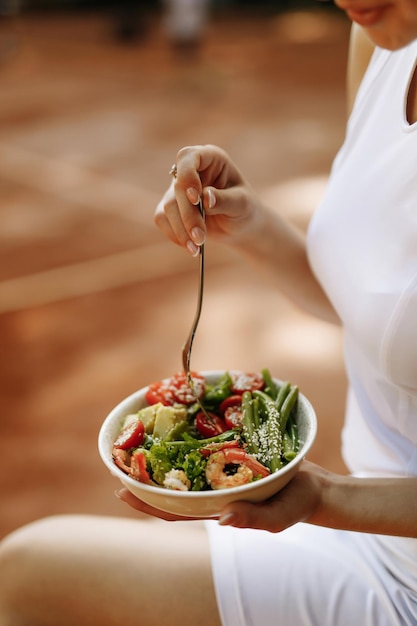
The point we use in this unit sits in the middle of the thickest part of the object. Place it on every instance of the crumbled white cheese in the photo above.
(177, 480)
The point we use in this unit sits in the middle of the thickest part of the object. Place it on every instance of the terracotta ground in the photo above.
(94, 303)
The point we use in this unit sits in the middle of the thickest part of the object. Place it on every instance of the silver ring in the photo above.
(173, 170)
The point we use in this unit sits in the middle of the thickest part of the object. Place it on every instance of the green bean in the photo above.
(283, 392)
(266, 401)
(288, 450)
(218, 392)
(256, 413)
(273, 430)
(249, 429)
(271, 387)
(287, 407)
(290, 441)
(274, 441)
(293, 432)
(191, 442)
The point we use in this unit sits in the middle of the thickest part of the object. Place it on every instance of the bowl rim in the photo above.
(197, 495)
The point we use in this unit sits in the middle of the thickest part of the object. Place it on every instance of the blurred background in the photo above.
(96, 98)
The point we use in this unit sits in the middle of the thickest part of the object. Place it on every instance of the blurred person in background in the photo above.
(185, 23)
(328, 549)
(9, 9)
(130, 20)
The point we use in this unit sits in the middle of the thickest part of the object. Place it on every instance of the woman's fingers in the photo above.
(126, 496)
(296, 502)
(205, 173)
(200, 166)
(170, 221)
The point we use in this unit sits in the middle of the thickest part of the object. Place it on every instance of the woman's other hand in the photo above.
(296, 502)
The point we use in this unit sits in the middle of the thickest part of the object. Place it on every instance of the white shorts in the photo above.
(311, 576)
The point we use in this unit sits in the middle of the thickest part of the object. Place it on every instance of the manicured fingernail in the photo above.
(192, 247)
(198, 235)
(227, 519)
(193, 195)
(118, 494)
(211, 198)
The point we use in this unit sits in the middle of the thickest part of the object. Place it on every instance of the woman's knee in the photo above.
(20, 568)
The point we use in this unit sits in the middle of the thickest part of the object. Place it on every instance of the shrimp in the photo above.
(248, 468)
(132, 464)
(122, 459)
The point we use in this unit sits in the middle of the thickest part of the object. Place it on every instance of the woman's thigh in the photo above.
(89, 570)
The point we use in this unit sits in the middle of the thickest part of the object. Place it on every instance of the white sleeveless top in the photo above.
(362, 245)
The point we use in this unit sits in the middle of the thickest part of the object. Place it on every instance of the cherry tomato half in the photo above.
(181, 389)
(176, 389)
(159, 392)
(231, 409)
(233, 417)
(211, 425)
(246, 382)
(235, 400)
(138, 467)
(131, 436)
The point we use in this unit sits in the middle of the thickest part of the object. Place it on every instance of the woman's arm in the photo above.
(386, 506)
(278, 250)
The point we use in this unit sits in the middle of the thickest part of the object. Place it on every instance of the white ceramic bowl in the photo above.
(203, 503)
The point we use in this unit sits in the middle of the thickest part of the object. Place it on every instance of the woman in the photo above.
(354, 557)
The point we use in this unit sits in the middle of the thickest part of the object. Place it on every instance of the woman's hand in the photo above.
(126, 496)
(230, 205)
(234, 215)
(297, 502)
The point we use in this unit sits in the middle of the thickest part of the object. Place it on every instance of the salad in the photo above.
(241, 429)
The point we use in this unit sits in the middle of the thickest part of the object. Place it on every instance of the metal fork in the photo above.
(186, 351)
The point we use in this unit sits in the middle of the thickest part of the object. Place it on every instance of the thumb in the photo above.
(234, 202)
